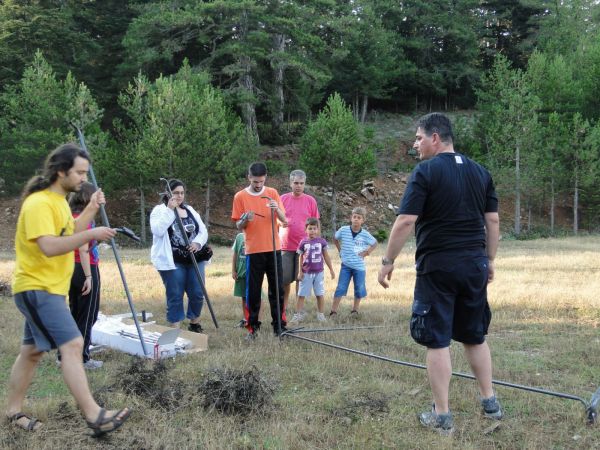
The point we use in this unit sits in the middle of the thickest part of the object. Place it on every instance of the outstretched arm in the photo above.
(59, 245)
(402, 229)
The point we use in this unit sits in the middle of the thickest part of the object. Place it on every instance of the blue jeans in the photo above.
(347, 273)
(183, 279)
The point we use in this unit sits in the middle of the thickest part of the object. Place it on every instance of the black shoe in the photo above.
(241, 324)
(283, 330)
(195, 328)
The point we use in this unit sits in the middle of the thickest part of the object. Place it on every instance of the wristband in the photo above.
(88, 276)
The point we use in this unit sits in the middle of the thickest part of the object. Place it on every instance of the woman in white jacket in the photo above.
(171, 257)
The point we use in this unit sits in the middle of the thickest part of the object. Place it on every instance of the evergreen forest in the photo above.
(155, 84)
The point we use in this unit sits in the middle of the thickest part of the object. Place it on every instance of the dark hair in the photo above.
(78, 200)
(437, 123)
(312, 221)
(257, 169)
(60, 160)
(174, 183)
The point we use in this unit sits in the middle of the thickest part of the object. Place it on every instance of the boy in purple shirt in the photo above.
(312, 251)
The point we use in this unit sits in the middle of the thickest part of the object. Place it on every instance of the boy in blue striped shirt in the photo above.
(353, 243)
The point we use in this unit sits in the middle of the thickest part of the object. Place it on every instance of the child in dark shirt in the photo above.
(313, 251)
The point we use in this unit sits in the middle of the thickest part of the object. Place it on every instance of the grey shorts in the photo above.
(289, 261)
(48, 321)
(310, 282)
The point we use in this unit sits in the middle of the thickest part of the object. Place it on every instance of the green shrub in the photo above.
(381, 235)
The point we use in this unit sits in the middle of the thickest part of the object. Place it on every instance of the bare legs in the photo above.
(337, 300)
(74, 376)
(73, 373)
(20, 379)
(480, 359)
(439, 371)
(335, 304)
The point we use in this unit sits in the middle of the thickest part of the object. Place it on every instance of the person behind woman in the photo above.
(84, 292)
(171, 257)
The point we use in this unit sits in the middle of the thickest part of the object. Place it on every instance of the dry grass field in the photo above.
(545, 332)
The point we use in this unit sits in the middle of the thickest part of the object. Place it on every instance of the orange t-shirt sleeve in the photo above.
(238, 208)
(279, 202)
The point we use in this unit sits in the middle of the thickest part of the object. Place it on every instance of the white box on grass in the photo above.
(120, 333)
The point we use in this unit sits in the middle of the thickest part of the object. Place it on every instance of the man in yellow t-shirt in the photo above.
(251, 212)
(45, 239)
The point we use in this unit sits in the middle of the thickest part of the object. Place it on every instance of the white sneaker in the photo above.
(92, 364)
(298, 317)
(97, 348)
(321, 317)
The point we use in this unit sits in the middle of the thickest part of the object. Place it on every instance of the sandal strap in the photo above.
(32, 422)
(115, 421)
(20, 415)
(17, 416)
(99, 419)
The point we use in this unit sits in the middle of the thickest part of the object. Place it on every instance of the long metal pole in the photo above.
(192, 257)
(321, 330)
(114, 247)
(276, 269)
(591, 407)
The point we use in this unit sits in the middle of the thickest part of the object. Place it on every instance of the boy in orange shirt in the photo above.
(252, 214)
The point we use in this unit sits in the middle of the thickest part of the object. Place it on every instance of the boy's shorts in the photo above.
(312, 281)
(239, 288)
(289, 263)
(452, 304)
(359, 276)
(48, 321)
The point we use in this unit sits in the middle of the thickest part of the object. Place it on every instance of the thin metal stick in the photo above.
(319, 330)
(113, 245)
(192, 256)
(458, 374)
(276, 270)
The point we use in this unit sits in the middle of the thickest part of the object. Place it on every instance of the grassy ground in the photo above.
(544, 333)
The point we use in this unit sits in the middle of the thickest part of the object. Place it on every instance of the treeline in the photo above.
(158, 84)
(277, 61)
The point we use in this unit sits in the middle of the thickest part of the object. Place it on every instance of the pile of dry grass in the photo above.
(5, 290)
(235, 392)
(151, 381)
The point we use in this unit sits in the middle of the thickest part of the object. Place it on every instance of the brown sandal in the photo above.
(104, 425)
(14, 419)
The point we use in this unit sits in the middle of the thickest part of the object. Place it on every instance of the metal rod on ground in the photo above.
(192, 257)
(276, 270)
(591, 407)
(113, 246)
(319, 330)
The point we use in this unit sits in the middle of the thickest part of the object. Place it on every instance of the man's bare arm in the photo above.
(59, 245)
(492, 228)
(402, 229)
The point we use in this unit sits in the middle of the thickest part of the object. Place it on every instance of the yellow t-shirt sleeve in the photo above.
(39, 220)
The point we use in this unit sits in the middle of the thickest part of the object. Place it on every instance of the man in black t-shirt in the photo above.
(451, 202)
